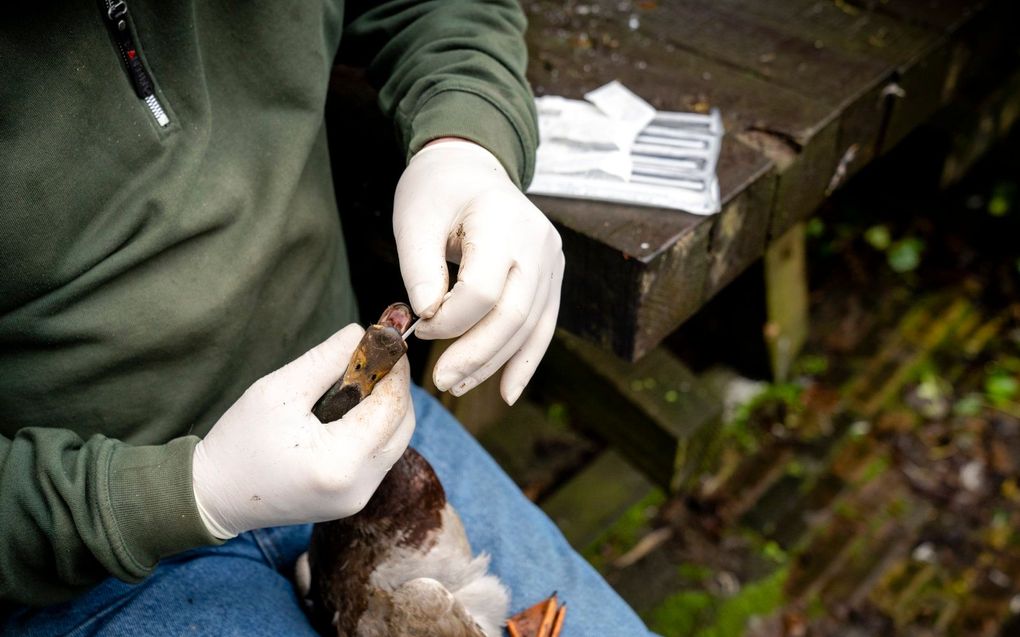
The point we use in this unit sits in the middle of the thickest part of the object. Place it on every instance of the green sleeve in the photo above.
(449, 68)
(73, 512)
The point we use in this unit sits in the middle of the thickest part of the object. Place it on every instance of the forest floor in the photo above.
(877, 490)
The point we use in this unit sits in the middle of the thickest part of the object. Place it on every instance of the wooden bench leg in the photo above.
(786, 300)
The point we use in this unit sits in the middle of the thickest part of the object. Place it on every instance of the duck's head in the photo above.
(379, 350)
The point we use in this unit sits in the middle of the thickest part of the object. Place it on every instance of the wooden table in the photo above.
(810, 91)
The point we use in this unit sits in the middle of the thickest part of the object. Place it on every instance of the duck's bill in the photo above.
(398, 316)
(380, 348)
(411, 329)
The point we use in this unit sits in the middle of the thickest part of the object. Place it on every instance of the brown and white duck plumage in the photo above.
(402, 566)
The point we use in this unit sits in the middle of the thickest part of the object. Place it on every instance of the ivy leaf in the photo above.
(878, 237)
(905, 255)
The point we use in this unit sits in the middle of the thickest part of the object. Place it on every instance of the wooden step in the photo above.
(654, 411)
(587, 506)
(536, 446)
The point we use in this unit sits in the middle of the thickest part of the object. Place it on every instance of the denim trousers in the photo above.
(244, 587)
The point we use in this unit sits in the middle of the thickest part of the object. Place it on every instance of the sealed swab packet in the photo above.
(616, 147)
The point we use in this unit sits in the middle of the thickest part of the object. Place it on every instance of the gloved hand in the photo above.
(456, 203)
(268, 461)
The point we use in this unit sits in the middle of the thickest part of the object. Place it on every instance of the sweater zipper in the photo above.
(141, 80)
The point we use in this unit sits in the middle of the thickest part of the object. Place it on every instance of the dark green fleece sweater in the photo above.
(154, 265)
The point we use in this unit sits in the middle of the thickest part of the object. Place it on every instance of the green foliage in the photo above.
(875, 468)
(969, 405)
(811, 365)
(701, 614)
(774, 552)
(934, 392)
(557, 414)
(815, 228)
(815, 607)
(796, 469)
(1001, 201)
(626, 531)
(1001, 387)
(642, 384)
(739, 429)
(878, 237)
(682, 613)
(694, 573)
(905, 255)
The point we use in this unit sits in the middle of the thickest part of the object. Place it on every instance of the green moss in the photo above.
(875, 468)
(682, 614)
(815, 607)
(558, 414)
(625, 532)
(1001, 387)
(898, 507)
(969, 405)
(846, 509)
(811, 365)
(815, 228)
(739, 429)
(1001, 201)
(774, 552)
(795, 468)
(700, 614)
(694, 573)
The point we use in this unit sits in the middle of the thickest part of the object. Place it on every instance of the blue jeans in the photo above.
(244, 587)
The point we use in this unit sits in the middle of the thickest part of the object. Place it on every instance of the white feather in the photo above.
(447, 559)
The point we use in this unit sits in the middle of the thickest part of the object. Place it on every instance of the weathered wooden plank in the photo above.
(598, 300)
(580, 49)
(836, 25)
(942, 15)
(917, 94)
(612, 248)
(654, 410)
(802, 81)
(962, 59)
(976, 124)
(786, 295)
(791, 54)
(804, 183)
(537, 451)
(572, 53)
(881, 44)
(859, 137)
(740, 232)
(672, 288)
(586, 505)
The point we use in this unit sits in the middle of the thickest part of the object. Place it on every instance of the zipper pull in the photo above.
(116, 9)
(138, 75)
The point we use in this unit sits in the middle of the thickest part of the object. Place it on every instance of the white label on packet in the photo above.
(558, 158)
(630, 112)
(576, 122)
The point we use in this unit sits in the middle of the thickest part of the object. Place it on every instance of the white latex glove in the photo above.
(456, 203)
(268, 461)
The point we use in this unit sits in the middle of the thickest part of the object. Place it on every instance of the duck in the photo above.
(403, 565)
